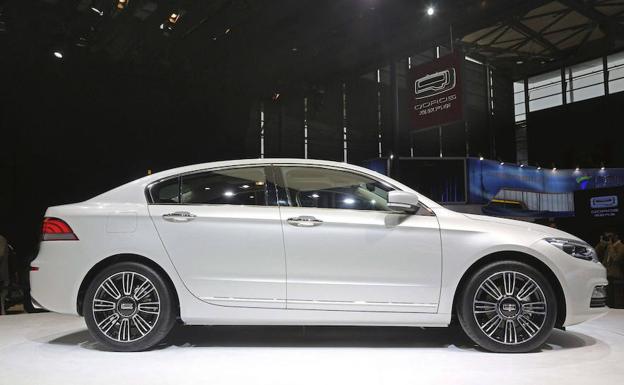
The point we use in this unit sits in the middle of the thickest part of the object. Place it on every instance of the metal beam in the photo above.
(534, 35)
(590, 12)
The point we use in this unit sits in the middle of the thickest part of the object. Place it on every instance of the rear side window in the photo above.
(240, 186)
(166, 192)
(235, 186)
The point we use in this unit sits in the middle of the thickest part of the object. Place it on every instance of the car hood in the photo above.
(518, 225)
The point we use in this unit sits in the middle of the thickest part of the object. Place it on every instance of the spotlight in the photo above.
(391, 156)
(174, 18)
(502, 163)
(554, 169)
(480, 158)
(577, 169)
(538, 168)
(430, 11)
(522, 165)
(58, 54)
(602, 168)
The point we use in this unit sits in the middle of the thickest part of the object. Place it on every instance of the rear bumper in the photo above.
(54, 286)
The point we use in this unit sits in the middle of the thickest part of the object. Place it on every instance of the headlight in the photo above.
(576, 249)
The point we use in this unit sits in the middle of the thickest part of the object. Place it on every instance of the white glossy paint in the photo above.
(247, 265)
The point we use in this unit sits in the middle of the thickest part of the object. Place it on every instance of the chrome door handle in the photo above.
(179, 216)
(304, 221)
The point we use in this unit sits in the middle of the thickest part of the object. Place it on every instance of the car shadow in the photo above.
(323, 337)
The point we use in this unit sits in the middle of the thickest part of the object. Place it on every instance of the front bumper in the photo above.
(578, 279)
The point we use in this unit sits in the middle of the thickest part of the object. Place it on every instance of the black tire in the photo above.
(474, 308)
(160, 323)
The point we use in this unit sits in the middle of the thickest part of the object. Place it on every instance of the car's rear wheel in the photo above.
(507, 306)
(129, 307)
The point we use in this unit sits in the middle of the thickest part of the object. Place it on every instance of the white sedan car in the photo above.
(305, 242)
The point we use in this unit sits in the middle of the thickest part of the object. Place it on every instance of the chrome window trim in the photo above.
(274, 166)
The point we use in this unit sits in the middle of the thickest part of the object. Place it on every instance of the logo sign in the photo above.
(605, 202)
(436, 98)
(604, 206)
(509, 307)
(434, 84)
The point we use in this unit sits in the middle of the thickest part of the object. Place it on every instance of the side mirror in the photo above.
(403, 201)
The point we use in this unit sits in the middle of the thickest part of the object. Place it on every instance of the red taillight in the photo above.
(55, 229)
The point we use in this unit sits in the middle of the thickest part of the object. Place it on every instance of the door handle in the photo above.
(179, 216)
(304, 221)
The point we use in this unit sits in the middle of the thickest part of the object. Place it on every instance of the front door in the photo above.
(222, 231)
(345, 250)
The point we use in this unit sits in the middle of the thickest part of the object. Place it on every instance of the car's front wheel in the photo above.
(507, 306)
(129, 307)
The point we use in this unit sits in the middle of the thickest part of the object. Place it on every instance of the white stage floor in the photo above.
(43, 349)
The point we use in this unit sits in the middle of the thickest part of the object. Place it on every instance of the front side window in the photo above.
(236, 186)
(333, 189)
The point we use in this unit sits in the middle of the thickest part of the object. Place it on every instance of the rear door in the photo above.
(222, 231)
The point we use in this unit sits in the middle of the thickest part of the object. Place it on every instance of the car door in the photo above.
(345, 250)
(222, 231)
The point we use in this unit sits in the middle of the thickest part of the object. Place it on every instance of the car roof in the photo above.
(134, 191)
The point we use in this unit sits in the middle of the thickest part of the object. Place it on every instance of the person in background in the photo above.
(610, 252)
(4, 271)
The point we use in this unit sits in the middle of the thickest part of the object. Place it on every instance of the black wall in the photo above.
(73, 129)
(583, 134)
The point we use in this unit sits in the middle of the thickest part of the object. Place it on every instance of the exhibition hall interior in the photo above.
(328, 191)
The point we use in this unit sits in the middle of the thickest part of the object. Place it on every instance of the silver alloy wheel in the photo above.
(509, 307)
(126, 306)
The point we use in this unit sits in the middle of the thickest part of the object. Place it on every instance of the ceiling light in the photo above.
(97, 11)
(58, 54)
(228, 194)
(430, 11)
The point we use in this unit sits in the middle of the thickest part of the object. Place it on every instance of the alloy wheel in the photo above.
(510, 307)
(126, 306)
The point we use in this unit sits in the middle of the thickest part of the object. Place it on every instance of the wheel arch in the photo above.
(117, 258)
(520, 257)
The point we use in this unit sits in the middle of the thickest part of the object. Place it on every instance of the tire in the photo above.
(129, 307)
(507, 307)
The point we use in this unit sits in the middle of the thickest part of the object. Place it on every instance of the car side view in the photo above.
(305, 242)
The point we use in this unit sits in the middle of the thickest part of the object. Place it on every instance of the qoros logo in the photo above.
(435, 104)
(435, 83)
(604, 202)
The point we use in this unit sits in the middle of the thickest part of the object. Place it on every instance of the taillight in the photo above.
(55, 229)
